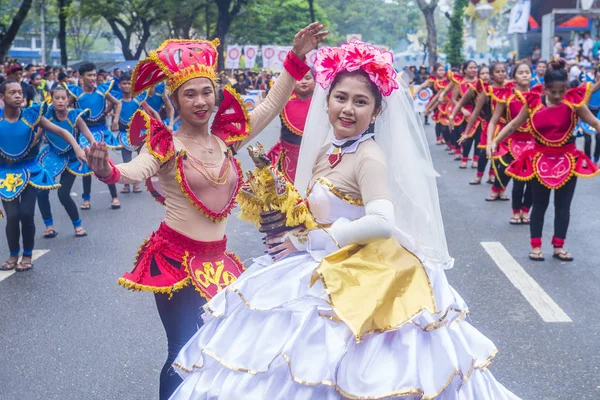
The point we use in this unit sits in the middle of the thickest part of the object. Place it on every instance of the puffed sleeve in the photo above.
(501, 94)
(532, 99)
(579, 96)
(33, 114)
(456, 78)
(105, 88)
(75, 114)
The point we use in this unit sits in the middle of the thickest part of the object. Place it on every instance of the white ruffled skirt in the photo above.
(270, 336)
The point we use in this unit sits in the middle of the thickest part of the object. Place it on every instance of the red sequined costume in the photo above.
(553, 159)
(189, 247)
(285, 153)
(460, 121)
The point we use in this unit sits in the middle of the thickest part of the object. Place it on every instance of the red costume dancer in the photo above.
(472, 132)
(510, 149)
(553, 163)
(482, 114)
(198, 175)
(284, 154)
(460, 87)
(437, 83)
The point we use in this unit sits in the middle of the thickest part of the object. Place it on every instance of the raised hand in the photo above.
(308, 38)
(97, 159)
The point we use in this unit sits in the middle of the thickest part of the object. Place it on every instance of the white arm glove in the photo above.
(378, 223)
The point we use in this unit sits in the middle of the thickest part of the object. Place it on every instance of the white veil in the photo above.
(399, 132)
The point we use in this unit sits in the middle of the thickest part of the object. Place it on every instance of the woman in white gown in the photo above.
(360, 307)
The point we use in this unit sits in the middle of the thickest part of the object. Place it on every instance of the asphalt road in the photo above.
(67, 331)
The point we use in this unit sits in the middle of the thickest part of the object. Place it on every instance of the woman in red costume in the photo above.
(508, 107)
(198, 175)
(484, 104)
(553, 162)
(461, 84)
(437, 83)
(472, 132)
(293, 117)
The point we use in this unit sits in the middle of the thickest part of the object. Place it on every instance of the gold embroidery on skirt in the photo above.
(376, 286)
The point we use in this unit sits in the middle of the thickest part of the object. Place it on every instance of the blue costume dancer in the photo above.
(59, 159)
(94, 99)
(21, 174)
(129, 105)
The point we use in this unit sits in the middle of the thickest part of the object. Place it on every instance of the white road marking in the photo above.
(529, 288)
(36, 254)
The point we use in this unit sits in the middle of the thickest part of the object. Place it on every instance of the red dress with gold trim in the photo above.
(554, 158)
(479, 87)
(285, 153)
(463, 87)
(169, 260)
(438, 85)
(521, 140)
(499, 95)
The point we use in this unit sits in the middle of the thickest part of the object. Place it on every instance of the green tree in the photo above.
(131, 21)
(228, 10)
(454, 44)
(273, 22)
(428, 10)
(13, 16)
(382, 22)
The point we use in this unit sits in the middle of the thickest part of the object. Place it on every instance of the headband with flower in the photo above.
(377, 63)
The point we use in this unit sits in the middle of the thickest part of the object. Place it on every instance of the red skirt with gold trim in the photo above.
(553, 167)
(285, 156)
(168, 261)
(515, 145)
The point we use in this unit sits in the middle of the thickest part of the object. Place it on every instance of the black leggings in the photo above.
(471, 142)
(587, 147)
(502, 180)
(181, 319)
(455, 134)
(482, 163)
(562, 211)
(19, 219)
(87, 188)
(445, 131)
(522, 196)
(439, 131)
(64, 195)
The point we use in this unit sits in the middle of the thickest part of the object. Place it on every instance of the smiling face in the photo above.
(440, 71)
(541, 69)
(351, 106)
(89, 79)
(306, 86)
(125, 86)
(471, 70)
(195, 100)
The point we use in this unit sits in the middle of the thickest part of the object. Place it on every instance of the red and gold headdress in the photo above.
(176, 61)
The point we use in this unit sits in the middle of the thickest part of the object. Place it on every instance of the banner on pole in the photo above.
(268, 55)
(234, 53)
(519, 17)
(250, 53)
(280, 55)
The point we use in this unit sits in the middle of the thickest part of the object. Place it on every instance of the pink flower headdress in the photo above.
(377, 63)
